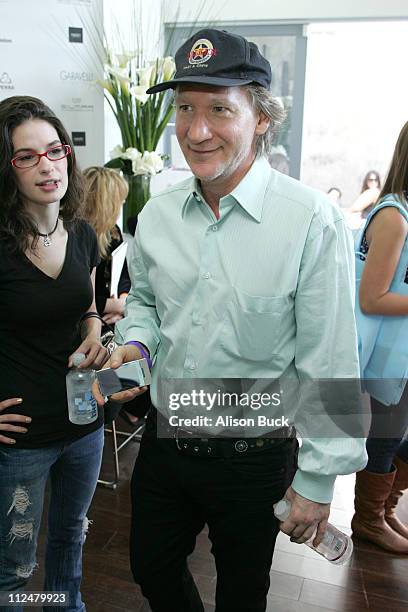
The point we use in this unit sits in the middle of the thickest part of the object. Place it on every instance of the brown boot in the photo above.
(399, 486)
(371, 492)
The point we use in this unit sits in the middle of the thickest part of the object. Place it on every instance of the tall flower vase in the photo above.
(139, 193)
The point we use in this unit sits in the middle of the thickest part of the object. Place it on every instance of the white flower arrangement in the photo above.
(133, 162)
(141, 117)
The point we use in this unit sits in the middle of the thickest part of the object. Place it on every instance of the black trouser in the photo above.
(174, 495)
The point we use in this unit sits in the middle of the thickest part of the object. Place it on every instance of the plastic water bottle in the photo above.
(82, 406)
(336, 546)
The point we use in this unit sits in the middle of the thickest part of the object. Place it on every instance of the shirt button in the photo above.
(206, 275)
(192, 366)
(214, 228)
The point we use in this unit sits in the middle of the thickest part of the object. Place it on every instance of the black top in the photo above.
(103, 274)
(38, 331)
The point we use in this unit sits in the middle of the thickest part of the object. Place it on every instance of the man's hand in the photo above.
(305, 518)
(121, 355)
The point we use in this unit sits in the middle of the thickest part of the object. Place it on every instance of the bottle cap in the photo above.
(78, 358)
(282, 509)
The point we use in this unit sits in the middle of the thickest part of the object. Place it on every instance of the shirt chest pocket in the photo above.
(252, 325)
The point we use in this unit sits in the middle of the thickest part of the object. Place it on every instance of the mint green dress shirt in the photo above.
(264, 292)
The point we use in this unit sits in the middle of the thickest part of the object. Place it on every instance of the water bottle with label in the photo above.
(82, 406)
(336, 546)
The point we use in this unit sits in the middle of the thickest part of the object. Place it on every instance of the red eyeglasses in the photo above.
(27, 160)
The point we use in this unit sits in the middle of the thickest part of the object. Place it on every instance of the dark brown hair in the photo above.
(397, 177)
(16, 224)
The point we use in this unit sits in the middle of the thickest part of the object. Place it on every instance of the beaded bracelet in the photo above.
(143, 351)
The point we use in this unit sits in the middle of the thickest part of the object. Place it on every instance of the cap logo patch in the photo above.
(201, 51)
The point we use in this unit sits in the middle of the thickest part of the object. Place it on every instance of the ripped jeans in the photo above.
(72, 469)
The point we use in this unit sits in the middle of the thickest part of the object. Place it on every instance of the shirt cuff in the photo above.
(139, 335)
(143, 351)
(317, 488)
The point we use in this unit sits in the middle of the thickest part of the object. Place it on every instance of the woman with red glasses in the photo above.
(48, 257)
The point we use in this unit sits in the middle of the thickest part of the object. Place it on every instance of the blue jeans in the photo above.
(388, 435)
(72, 469)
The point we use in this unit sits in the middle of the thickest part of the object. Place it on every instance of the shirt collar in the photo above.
(249, 193)
(193, 198)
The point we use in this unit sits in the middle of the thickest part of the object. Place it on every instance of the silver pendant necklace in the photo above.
(46, 237)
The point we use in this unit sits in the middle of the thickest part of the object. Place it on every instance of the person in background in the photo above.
(334, 194)
(232, 273)
(369, 194)
(383, 247)
(105, 192)
(48, 257)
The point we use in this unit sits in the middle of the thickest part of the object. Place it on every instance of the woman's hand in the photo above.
(114, 309)
(96, 354)
(6, 420)
(115, 306)
(111, 319)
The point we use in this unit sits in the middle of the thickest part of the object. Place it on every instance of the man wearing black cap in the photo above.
(238, 273)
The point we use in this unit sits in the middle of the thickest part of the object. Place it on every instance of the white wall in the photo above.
(38, 59)
(292, 10)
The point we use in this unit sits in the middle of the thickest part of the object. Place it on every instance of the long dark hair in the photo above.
(397, 177)
(364, 186)
(16, 223)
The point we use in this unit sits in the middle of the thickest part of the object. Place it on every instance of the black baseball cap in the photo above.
(217, 57)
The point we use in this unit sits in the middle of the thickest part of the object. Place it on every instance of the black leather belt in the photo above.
(187, 441)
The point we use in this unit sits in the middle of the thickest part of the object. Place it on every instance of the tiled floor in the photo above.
(301, 581)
